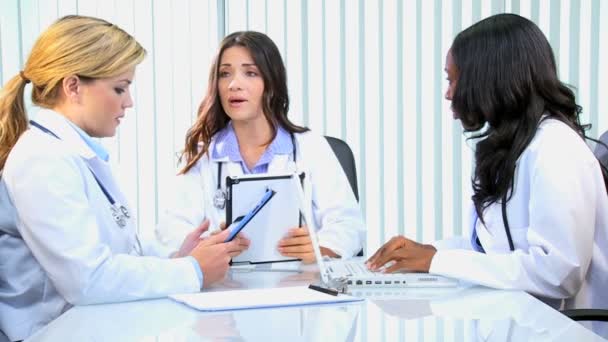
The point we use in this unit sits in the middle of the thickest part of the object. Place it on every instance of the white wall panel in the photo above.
(387, 146)
(373, 184)
(236, 15)
(409, 117)
(332, 82)
(144, 118)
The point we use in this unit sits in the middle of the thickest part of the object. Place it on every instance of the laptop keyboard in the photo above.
(357, 269)
(350, 268)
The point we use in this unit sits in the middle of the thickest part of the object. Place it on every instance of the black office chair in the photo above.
(347, 161)
(601, 315)
(601, 151)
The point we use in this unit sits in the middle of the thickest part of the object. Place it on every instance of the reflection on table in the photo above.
(467, 313)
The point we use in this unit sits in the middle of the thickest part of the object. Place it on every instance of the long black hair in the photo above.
(507, 81)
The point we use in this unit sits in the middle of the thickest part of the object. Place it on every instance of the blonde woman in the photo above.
(67, 235)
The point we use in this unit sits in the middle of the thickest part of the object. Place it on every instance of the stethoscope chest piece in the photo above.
(120, 215)
(219, 199)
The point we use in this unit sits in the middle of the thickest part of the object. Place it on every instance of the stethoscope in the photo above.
(120, 213)
(475, 238)
(219, 198)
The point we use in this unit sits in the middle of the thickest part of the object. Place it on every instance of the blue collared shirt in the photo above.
(99, 150)
(227, 145)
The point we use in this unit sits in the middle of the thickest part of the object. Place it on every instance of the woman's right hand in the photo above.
(241, 238)
(213, 256)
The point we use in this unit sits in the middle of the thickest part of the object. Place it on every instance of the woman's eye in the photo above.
(252, 73)
(224, 73)
(119, 90)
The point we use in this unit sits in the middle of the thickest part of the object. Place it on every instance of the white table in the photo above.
(467, 313)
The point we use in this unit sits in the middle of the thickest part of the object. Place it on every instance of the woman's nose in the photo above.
(128, 101)
(234, 84)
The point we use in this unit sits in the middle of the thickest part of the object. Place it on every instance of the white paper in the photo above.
(259, 298)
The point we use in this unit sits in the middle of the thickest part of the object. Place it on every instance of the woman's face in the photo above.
(240, 85)
(103, 103)
(452, 77)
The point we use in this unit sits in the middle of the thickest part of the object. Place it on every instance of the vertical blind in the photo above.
(369, 72)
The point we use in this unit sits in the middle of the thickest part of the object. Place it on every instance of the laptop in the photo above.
(353, 273)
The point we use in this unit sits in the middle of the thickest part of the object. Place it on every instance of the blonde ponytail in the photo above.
(73, 45)
(13, 118)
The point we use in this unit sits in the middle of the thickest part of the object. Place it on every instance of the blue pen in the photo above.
(240, 222)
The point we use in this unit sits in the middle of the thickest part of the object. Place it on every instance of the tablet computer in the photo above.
(241, 221)
(268, 226)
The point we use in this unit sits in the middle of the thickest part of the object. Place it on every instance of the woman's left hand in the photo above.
(192, 240)
(297, 244)
(406, 255)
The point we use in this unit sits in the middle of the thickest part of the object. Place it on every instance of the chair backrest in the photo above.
(347, 161)
(601, 152)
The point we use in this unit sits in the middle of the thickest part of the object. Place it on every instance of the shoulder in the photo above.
(557, 143)
(33, 146)
(201, 164)
(38, 157)
(555, 136)
(311, 139)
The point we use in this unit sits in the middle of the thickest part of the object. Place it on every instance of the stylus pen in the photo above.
(323, 289)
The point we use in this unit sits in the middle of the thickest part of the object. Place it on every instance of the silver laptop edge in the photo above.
(306, 210)
(376, 280)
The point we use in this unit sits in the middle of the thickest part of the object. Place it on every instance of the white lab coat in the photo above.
(63, 247)
(559, 225)
(335, 209)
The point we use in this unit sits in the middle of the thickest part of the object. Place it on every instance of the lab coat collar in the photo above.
(59, 125)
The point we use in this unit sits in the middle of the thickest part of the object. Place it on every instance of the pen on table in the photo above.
(323, 289)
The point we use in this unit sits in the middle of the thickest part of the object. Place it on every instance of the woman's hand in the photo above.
(297, 244)
(191, 240)
(405, 254)
(241, 239)
(194, 238)
(213, 256)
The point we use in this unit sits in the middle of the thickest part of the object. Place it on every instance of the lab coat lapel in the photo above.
(234, 169)
(103, 172)
(101, 169)
(280, 163)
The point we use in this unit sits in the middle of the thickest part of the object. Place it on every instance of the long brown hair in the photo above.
(89, 47)
(211, 115)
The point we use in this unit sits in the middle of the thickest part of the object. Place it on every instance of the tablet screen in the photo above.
(241, 221)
